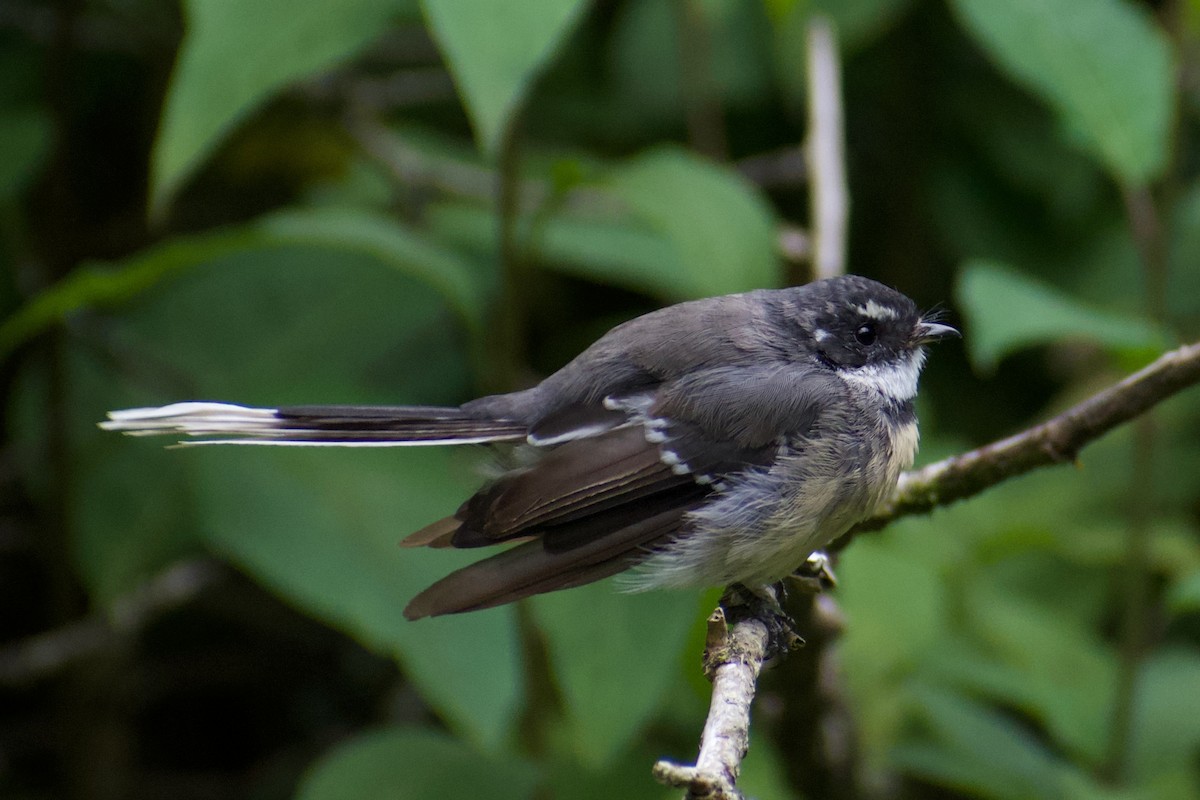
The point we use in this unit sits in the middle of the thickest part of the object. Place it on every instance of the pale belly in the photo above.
(765, 525)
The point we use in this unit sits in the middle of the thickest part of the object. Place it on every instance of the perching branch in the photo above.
(1056, 441)
(733, 657)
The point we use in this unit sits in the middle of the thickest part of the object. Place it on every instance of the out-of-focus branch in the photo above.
(1055, 441)
(1134, 599)
(702, 110)
(412, 167)
(830, 200)
(47, 653)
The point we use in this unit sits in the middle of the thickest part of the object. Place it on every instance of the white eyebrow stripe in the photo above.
(877, 311)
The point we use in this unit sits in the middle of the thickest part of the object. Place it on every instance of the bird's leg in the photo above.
(765, 603)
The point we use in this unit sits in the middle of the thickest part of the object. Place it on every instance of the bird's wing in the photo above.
(594, 506)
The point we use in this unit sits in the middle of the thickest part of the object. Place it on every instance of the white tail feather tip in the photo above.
(192, 418)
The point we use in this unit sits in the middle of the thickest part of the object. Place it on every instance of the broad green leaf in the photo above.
(720, 228)
(615, 656)
(496, 51)
(896, 607)
(980, 750)
(1007, 312)
(615, 252)
(338, 231)
(1184, 597)
(1102, 65)
(272, 326)
(1167, 718)
(666, 222)
(399, 246)
(1068, 677)
(321, 527)
(406, 763)
(236, 55)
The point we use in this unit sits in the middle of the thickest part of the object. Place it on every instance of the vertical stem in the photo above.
(1135, 595)
(509, 346)
(703, 115)
(829, 196)
(1134, 603)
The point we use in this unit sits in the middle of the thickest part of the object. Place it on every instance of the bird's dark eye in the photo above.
(866, 334)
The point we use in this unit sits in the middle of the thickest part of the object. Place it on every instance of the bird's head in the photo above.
(869, 333)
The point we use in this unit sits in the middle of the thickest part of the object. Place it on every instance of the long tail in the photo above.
(314, 426)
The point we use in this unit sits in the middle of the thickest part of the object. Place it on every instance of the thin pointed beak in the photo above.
(933, 331)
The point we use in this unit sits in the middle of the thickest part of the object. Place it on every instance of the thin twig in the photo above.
(1055, 441)
(826, 156)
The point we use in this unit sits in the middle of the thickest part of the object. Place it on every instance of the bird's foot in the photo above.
(764, 603)
(816, 574)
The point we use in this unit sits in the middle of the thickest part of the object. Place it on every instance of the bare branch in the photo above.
(1056, 441)
(724, 742)
(733, 657)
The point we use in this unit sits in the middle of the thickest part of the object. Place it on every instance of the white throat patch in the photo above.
(896, 380)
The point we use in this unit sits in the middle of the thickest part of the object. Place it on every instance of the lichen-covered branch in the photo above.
(733, 657)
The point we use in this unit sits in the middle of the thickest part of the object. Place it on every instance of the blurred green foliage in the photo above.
(360, 200)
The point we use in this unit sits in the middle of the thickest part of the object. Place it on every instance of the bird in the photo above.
(714, 442)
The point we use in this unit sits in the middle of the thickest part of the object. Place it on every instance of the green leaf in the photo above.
(321, 528)
(1184, 596)
(408, 762)
(1102, 65)
(979, 750)
(495, 52)
(616, 656)
(236, 55)
(272, 326)
(720, 227)
(1167, 718)
(1007, 312)
(896, 607)
(1056, 670)
(339, 231)
(614, 252)
(399, 246)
